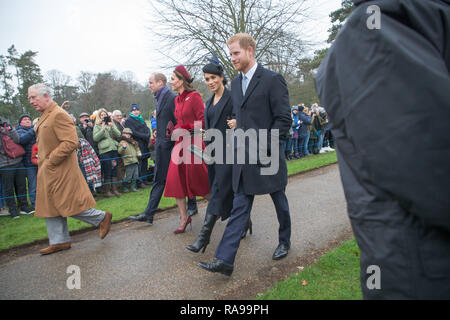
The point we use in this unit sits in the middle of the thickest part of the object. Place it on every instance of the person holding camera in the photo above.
(87, 129)
(106, 134)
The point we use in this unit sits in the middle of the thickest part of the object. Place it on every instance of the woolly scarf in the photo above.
(138, 118)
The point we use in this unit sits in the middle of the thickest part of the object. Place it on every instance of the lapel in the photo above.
(253, 83)
(208, 105)
(163, 103)
(220, 106)
(45, 115)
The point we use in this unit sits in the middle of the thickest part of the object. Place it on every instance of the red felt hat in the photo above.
(184, 72)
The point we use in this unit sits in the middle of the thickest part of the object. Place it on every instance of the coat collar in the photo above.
(219, 107)
(46, 114)
(252, 85)
(161, 95)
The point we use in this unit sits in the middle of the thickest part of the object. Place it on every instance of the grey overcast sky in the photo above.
(102, 35)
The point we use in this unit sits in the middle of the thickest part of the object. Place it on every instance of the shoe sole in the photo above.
(62, 249)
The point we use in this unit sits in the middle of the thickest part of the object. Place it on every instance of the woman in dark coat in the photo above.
(219, 109)
(186, 177)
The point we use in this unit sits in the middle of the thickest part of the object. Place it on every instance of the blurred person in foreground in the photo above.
(386, 91)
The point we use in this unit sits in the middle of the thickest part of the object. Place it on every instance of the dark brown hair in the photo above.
(186, 84)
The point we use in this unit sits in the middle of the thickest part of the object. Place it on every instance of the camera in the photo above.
(86, 120)
(107, 119)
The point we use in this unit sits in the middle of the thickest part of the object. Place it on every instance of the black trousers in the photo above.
(15, 176)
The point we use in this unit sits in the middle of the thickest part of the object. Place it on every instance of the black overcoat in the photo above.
(141, 133)
(264, 106)
(220, 175)
(387, 95)
(163, 145)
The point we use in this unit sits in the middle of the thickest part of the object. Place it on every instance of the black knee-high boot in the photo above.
(202, 240)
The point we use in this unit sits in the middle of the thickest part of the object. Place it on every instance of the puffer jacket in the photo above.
(27, 140)
(106, 138)
(6, 161)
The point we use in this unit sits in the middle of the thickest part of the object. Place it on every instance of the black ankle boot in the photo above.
(249, 227)
(202, 240)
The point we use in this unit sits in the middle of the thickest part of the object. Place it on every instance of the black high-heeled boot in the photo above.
(202, 240)
(249, 227)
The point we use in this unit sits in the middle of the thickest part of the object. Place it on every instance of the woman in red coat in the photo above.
(187, 176)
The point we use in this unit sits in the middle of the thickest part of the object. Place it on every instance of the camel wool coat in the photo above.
(61, 187)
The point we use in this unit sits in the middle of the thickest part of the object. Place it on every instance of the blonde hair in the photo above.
(98, 119)
(245, 40)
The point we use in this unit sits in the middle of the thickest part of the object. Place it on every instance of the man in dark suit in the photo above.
(386, 93)
(260, 102)
(165, 108)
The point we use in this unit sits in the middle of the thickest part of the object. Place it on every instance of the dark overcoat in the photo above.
(141, 133)
(220, 175)
(163, 145)
(387, 95)
(264, 106)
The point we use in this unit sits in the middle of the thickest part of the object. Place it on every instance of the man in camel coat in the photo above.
(61, 188)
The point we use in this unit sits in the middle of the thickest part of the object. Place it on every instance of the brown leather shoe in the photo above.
(105, 225)
(55, 248)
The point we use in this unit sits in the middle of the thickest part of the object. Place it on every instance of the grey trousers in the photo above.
(58, 231)
(132, 172)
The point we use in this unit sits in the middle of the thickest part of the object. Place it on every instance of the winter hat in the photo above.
(134, 107)
(294, 108)
(127, 130)
(24, 116)
(184, 72)
(84, 114)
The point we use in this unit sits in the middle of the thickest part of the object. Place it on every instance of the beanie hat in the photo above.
(24, 116)
(185, 73)
(134, 107)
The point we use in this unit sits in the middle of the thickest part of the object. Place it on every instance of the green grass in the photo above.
(28, 229)
(335, 276)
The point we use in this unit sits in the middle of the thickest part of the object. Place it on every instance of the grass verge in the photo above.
(335, 276)
(28, 229)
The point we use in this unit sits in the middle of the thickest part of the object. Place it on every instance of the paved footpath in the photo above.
(137, 261)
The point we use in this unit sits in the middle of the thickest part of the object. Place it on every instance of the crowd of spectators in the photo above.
(310, 132)
(113, 153)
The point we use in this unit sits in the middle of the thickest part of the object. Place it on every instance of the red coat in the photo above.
(187, 180)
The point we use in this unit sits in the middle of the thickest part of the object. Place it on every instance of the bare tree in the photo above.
(61, 85)
(193, 29)
(86, 81)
